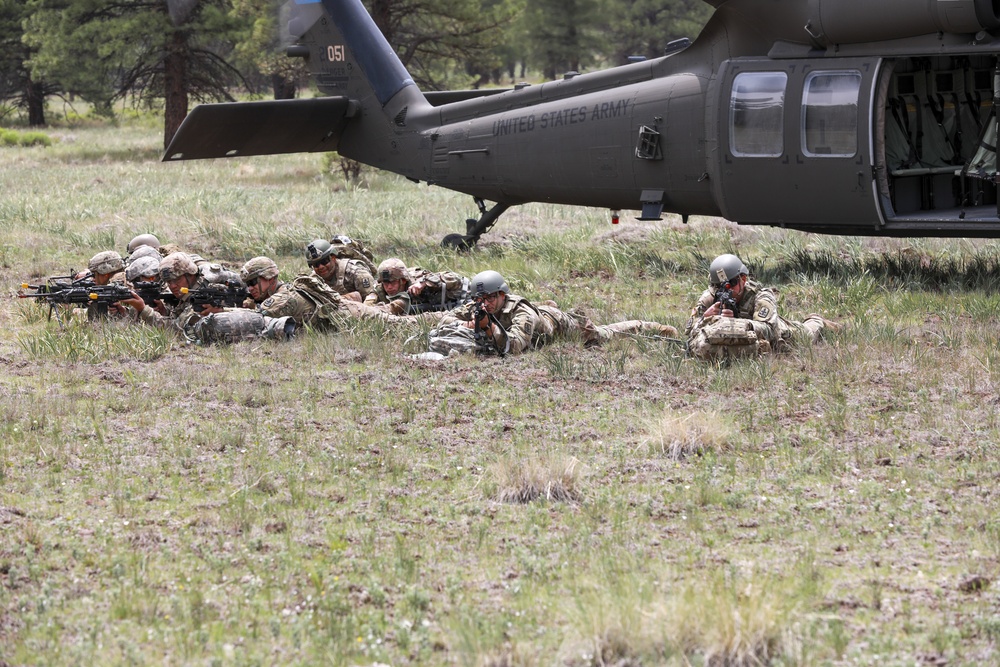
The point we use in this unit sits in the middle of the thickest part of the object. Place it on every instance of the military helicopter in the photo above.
(833, 116)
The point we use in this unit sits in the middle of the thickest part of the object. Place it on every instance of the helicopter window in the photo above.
(756, 114)
(830, 114)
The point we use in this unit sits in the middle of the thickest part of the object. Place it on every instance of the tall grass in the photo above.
(331, 500)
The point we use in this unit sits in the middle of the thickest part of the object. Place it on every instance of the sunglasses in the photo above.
(322, 262)
(254, 281)
(732, 282)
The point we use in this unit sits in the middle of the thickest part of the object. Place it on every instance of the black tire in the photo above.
(458, 242)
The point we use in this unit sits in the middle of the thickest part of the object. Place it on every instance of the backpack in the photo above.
(328, 313)
(344, 247)
(726, 338)
(454, 336)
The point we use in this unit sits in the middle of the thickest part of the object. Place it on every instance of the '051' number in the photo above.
(335, 53)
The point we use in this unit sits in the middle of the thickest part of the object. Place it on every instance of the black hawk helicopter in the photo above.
(861, 117)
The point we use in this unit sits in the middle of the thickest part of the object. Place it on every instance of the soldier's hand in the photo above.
(712, 310)
(352, 296)
(416, 288)
(136, 303)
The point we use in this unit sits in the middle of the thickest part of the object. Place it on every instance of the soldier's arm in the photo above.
(364, 283)
(167, 323)
(518, 337)
(461, 314)
(704, 302)
(765, 316)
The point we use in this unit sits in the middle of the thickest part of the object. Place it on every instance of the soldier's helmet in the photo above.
(141, 240)
(175, 265)
(488, 282)
(143, 267)
(726, 268)
(105, 262)
(391, 269)
(317, 251)
(143, 251)
(259, 267)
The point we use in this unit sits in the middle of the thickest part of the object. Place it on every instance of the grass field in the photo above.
(330, 501)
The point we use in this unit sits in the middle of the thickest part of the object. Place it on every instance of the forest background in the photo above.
(155, 54)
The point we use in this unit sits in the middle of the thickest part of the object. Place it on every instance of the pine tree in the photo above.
(108, 50)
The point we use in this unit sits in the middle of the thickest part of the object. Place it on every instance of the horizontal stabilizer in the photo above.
(261, 128)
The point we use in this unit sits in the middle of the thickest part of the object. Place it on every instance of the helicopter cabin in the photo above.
(936, 113)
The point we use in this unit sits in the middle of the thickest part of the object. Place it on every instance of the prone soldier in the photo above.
(509, 324)
(738, 317)
(351, 278)
(199, 315)
(408, 291)
(106, 268)
(307, 299)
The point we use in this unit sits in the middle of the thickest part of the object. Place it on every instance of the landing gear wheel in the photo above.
(459, 242)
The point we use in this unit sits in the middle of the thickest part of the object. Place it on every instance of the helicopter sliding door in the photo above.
(795, 144)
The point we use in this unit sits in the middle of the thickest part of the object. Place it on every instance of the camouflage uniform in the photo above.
(555, 322)
(443, 290)
(351, 275)
(288, 301)
(180, 318)
(310, 300)
(518, 317)
(757, 314)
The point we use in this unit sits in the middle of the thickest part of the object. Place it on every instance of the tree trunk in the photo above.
(283, 87)
(175, 87)
(35, 97)
(382, 15)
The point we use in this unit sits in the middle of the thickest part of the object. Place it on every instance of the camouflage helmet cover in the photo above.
(175, 265)
(105, 262)
(318, 250)
(143, 251)
(391, 269)
(488, 282)
(142, 267)
(725, 268)
(141, 240)
(259, 267)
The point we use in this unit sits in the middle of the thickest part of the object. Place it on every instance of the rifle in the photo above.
(231, 293)
(725, 297)
(151, 292)
(484, 339)
(80, 294)
(97, 298)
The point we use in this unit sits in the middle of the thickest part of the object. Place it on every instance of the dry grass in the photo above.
(681, 435)
(330, 501)
(525, 479)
